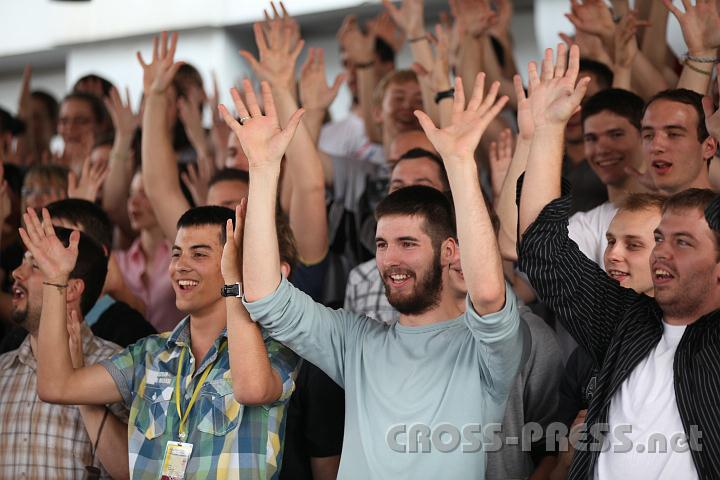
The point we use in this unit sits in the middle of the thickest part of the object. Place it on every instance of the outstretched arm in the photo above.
(456, 143)
(58, 382)
(158, 159)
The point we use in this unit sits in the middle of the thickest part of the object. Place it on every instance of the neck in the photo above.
(688, 318)
(618, 193)
(575, 151)
(149, 240)
(205, 327)
(448, 309)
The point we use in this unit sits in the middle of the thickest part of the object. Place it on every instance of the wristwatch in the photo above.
(232, 290)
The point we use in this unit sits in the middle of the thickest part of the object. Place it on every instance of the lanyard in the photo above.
(196, 392)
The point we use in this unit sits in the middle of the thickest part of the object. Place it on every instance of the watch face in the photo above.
(231, 290)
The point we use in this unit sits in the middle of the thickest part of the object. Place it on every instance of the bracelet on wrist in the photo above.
(444, 94)
(57, 285)
(695, 59)
(695, 69)
(417, 39)
(365, 64)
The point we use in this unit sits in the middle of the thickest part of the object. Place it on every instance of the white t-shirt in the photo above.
(646, 401)
(588, 230)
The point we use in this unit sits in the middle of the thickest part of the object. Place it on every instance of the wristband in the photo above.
(695, 69)
(55, 285)
(365, 65)
(695, 59)
(417, 39)
(444, 94)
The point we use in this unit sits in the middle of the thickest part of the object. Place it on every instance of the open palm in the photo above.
(54, 259)
(159, 73)
(260, 136)
(459, 140)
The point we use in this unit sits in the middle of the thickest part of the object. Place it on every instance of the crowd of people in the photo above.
(466, 277)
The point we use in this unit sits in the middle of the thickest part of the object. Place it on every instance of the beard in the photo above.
(24, 319)
(424, 296)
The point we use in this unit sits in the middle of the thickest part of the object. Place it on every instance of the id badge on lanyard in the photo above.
(177, 455)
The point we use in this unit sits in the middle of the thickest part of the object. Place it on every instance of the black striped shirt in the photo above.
(619, 328)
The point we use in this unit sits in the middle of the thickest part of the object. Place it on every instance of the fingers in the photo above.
(229, 234)
(708, 107)
(47, 225)
(228, 118)
(292, 125)
(546, 71)
(519, 88)
(580, 90)
(426, 124)
(239, 104)
(268, 100)
(251, 99)
(478, 92)
(573, 63)
(561, 61)
(339, 80)
(459, 99)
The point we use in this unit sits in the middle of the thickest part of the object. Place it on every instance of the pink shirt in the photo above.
(158, 295)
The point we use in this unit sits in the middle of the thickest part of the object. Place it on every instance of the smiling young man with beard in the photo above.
(437, 365)
(658, 357)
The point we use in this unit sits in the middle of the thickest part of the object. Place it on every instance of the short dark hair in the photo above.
(10, 123)
(91, 267)
(49, 102)
(429, 203)
(207, 215)
(415, 153)
(93, 219)
(687, 97)
(96, 105)
(229, 174)
(216, 215)
(621, 102)
(106, 84)
(702, 199)
(600, 70)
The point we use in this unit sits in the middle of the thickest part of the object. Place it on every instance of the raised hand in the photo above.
(592, 17)
(190, 110)
(503, 25)
(197, 179)
(410, 17)
(54, 259)
(474, 17)
(359, 46)
(700, 24)
(526, 125)
(91, 180)
(501, 153)
(315, 93)
(385, 27)
(231, 261)
(555, 97)
(260, 136)
(625, 40)
(458, 141)
(438, 78)
(285, 21)
(123, 118)
(219, 132)
(277, 55)
(159, 73)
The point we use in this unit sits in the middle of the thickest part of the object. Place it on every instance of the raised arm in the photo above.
(436, 77)
(585, 299)
(313, 331)
(58, 382)
(456, 143)
(254, 380)
(303, 171)
(316, 95)
(700, 24)
(654, 41)
(120, 167)
(360, 49)
(159, 166)
(410, 17)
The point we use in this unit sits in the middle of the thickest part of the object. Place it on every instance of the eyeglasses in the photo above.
(74, 121)
(37, 192)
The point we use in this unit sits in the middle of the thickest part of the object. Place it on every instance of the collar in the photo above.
(180, 336)
(135, 251)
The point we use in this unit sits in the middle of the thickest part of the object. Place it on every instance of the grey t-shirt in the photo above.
(404, 382)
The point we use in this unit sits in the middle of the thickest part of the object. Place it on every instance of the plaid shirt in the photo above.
(365, 293)
(40, 440)
(229, 440)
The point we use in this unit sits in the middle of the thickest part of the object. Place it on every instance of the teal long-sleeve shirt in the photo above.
(405, 386)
